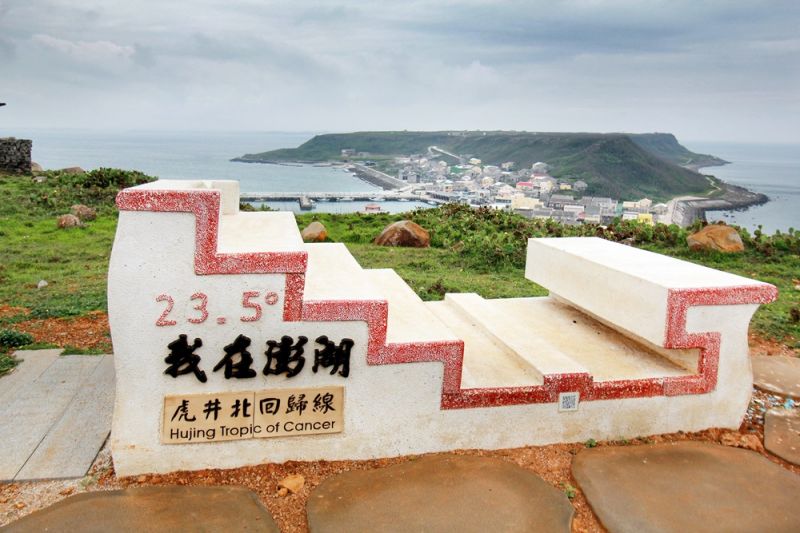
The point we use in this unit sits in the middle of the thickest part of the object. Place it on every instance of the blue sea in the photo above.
(772, 169)
(768, 168)
(201, 155)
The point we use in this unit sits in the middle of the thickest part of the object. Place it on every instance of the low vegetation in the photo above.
(480, 251)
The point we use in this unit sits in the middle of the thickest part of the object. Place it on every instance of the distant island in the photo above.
(617, 165)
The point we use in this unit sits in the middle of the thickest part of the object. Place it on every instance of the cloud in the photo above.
(630, 65)
(94, 52)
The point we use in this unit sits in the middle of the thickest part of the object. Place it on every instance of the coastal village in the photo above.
(531, 192)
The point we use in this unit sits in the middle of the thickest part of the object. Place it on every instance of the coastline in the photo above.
(727, 197)
(684, 212)
(733, 197)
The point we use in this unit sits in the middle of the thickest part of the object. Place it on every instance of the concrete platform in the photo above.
(438, 494)
(782, 434)
(688, 486)
(777, 374)
(56, 415)
(153, 509)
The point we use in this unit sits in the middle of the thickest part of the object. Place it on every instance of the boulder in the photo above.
(83, 212)
(718, 237)
(73, 170)
(314, 232)
(404, 233)
(36, 167)
(69, 221)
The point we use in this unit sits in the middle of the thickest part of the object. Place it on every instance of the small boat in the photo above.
(306, 204)
(372, 208)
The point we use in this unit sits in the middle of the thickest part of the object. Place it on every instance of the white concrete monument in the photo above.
(235, 343)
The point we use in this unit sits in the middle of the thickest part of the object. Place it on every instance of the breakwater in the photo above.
(376, 177)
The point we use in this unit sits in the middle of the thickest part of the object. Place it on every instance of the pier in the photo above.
(376, 196)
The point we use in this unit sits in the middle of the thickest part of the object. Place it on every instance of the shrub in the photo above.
(10, 338)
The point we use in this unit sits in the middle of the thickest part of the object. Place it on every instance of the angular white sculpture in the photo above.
(628, 343)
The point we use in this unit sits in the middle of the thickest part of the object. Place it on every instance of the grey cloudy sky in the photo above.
(704, 70)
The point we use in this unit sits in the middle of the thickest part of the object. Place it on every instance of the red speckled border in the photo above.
(205, 206)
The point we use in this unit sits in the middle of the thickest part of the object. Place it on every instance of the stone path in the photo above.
(56, 414)
(153, 509)
(687, 486)
(439, 493)
(782, 434)
(777, 374)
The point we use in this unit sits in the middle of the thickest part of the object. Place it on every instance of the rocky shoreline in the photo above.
(733, 197)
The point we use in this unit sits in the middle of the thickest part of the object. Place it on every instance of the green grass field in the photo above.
(478, 251)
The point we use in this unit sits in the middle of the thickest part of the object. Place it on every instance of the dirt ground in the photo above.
(552, 462)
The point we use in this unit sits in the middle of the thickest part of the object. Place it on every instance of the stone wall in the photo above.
(15, 155)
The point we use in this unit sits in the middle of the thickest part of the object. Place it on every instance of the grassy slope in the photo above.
(617, 165)
(667, 147)
(473, 251)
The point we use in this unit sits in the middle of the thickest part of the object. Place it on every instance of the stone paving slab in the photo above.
(687, 486)
(72, 443)
(33, 363)
(439, 493)
(37, 406)
(152, 510)
(782, 434)
(777, 374)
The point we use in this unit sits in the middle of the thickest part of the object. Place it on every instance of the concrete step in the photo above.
(556, 338)
(488, 363)
(334, 274)
(514, 329)
(410, 320)
(259, 232)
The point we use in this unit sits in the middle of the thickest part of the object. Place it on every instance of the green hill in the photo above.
(625, 166)
(666, 146)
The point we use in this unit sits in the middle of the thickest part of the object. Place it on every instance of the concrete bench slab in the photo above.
(777, 374)
(687, 486)
(153, 509)
(782, 434)
(72, 443)
(27, 418)
(487, 362)
(439, 493)
(32, 363)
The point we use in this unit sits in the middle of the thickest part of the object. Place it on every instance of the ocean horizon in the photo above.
(772, 169)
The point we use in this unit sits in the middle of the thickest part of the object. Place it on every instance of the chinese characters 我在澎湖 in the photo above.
(283, 357)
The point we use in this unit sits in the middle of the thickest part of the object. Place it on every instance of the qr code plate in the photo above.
(568, 401)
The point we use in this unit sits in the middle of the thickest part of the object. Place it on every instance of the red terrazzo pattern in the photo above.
(205, 206)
